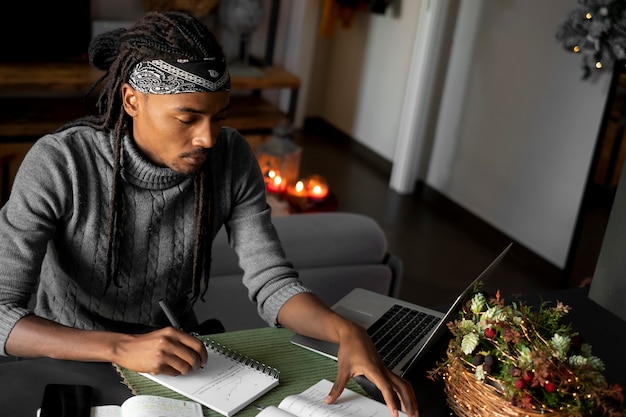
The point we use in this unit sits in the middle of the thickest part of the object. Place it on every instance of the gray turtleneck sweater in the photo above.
(53, 235)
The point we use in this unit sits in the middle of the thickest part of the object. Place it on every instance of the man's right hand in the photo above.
(165, 351)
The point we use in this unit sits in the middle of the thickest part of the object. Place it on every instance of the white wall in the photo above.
(361, 73)
(513, 142)
(527, 129)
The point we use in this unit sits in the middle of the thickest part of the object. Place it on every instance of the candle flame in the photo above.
(316, 187)
(299, 186)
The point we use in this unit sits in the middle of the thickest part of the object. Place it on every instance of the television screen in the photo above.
(45, 30)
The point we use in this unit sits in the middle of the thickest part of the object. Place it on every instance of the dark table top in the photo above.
(23, 381)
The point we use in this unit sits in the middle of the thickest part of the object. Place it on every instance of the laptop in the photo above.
(402, 332)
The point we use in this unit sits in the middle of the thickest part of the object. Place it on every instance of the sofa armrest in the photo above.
(332, 252)
(314, 240)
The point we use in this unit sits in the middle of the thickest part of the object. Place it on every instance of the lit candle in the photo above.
(297, 194)
(275, 183)
(270, 175)
(317, 188)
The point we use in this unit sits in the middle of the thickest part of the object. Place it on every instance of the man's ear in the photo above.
(130, 100)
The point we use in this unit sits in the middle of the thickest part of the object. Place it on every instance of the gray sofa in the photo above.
(333, 252)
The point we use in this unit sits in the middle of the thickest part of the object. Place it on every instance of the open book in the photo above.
(310, 403)
(148, 406)
(228, 383)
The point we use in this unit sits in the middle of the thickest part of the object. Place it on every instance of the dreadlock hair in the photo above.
(157, 35)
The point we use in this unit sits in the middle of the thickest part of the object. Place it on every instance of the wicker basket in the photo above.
(467, 396)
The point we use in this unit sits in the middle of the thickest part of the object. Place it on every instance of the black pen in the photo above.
(174, 321)
(170, 314)
(172, 318)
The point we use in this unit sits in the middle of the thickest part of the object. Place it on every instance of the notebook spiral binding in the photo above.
(259, 366)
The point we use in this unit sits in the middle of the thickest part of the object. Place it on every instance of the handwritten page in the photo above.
(310, 403)
(225, 385)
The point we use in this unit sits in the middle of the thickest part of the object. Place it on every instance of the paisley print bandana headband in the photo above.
(180, 76)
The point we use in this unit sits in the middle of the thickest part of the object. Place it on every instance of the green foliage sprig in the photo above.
(535, 360)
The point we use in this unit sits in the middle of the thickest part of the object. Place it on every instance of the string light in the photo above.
(597, 33)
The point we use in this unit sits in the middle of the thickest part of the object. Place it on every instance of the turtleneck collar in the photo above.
(140, 172)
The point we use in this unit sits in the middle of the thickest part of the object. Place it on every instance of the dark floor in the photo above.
(442, 248)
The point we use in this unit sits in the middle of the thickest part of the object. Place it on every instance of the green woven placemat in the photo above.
(299, 368)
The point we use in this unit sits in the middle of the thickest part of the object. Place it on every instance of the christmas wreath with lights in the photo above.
(596, 31)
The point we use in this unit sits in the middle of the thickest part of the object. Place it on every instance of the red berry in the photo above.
(528, 376)
(549, 386)
(490, 333)
(520, 384)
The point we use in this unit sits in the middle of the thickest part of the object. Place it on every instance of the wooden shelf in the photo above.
(273, 77)
(252, 113)
(37, 98)
(79, 76)
(47, 77)
(30, 119)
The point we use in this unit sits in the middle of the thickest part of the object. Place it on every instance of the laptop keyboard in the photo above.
(398, 331)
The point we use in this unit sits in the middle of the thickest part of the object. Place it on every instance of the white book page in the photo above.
(147, 406)
(106, 411)
(271, 411)
(156, 406)
(310, 403)
(100, 411)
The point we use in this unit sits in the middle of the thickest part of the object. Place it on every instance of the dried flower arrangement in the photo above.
(528, 359)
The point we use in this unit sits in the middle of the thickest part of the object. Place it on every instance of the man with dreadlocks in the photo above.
(117, 211)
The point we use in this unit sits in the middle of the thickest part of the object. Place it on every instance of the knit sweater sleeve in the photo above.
(27, 223)
(269, 277)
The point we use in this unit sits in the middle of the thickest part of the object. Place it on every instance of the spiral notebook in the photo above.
(228, 383)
